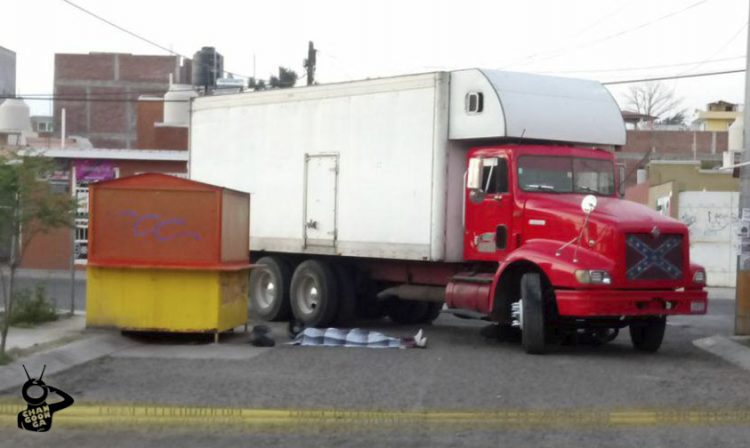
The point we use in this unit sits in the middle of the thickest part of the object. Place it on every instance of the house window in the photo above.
(44, 126)
(474, 102)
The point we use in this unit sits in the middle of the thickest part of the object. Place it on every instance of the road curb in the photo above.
(62, 358)
(727, 349)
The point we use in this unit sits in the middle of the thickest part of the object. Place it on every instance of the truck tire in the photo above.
(269, 289)
(406, 312)
(347, 295)
(314, 294)
(647, 335)
(432, 313)
(534, 322)
(368, 305)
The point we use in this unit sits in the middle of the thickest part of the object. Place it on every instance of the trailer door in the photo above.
(321, 182)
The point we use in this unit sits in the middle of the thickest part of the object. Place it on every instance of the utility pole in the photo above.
(742, 303)
(310, 62)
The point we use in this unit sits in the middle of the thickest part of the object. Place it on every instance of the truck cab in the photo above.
(592, 260)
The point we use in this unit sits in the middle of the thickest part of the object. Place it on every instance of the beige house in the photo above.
(718, 116)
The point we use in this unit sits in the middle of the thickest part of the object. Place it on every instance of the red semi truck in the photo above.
(494, 193)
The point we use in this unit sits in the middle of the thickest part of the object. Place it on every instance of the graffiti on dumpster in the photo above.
(161, 229)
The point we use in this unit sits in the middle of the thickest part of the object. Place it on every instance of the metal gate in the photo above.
(321, 184)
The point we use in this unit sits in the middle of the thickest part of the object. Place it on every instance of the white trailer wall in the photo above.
(712, 218)
(390, 138)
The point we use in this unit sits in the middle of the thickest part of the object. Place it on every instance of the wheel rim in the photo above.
(307, 296)
(265, 290)
(516, 314)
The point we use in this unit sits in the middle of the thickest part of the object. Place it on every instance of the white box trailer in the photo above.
(375, 168)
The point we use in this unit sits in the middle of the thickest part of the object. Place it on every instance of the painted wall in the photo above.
(713, 221)
(675, 177)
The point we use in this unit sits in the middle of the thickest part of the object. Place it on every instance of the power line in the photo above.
(557, 51)
(666, 78)
(41, 97)
(717, 52)
(126, 31)
(138, 36)
(633, 69)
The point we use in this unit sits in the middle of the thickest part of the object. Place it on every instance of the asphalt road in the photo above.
(460, 372)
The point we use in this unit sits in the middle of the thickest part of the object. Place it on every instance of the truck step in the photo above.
(466, 314)
(472, 278)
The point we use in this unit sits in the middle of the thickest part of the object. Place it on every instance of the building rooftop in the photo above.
(162, 155)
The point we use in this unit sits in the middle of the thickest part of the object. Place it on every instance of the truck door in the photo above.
(321, 182)
(489, 211)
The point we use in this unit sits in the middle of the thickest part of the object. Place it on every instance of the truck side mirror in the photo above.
(588, 204)
(621, 179)
(474, 176)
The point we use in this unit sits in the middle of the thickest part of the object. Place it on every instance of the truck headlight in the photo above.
(699, 277)
(593, 277)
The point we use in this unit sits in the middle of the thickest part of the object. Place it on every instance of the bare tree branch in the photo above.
(653, 99)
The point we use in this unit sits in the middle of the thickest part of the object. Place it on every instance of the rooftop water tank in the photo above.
(14, 116)
(208, 66)
(177, 104)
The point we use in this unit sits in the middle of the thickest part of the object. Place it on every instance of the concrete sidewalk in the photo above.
(93, 346)
(64, 329)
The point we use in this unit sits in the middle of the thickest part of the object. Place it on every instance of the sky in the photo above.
(606, 40)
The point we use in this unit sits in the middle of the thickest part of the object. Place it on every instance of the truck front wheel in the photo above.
(314, 294)
(648, 334)
(269, 289)
(533, 319)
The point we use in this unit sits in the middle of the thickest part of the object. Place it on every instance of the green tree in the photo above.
(287, 78)
(28, 207)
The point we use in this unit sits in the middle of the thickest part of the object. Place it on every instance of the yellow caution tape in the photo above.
(190, 417)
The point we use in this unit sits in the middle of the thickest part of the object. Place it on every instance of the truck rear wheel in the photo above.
(648, 334)
(433, 311)
(406, 312)
(314, 294)
(269, 289)
(533, 318)
(347, 295)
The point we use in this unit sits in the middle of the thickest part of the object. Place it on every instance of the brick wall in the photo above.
(105, 80)
(171, 137)
(149, 112)
(669, 145)
(152, 134)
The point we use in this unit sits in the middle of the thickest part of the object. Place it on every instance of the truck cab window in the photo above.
(558, 174)
(495, 176)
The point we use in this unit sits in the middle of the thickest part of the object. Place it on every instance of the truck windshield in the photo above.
(566, 175)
